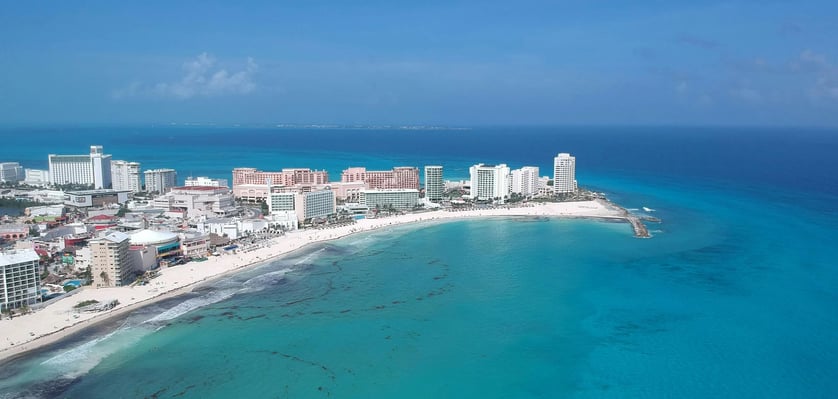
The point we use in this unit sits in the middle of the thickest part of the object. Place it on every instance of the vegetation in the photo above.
(123, 209)
(69, 287)
(105, 278)
(17, 203)
(85, 303)
(87, 276)
(74, 187)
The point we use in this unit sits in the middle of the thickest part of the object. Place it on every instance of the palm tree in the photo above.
(105, 278)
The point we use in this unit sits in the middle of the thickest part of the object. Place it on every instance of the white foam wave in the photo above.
(81, 359)
(263, 281)
(307, 258)
(192, 304)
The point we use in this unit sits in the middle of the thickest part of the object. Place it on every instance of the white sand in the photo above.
(58, 319)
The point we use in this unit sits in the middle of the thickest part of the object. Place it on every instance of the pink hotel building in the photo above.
(254, 185)
(250, 183)
(399, 177)
(287, 177)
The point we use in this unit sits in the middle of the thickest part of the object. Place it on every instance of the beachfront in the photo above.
(59, 319)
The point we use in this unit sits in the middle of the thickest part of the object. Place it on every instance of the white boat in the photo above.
(645, 209)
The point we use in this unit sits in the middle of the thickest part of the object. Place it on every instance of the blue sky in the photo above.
(420, 62)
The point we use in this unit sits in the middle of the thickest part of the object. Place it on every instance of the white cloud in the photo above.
(201, 79)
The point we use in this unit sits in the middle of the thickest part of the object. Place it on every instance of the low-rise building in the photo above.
(283, 220)
(14, 231)
(46, 210)
(46, 196)
(203, 181)
(194, 243)
(198, 201)
(152, 246)
(95, 198)
(251, 192)
(36, 177)
(20, 283)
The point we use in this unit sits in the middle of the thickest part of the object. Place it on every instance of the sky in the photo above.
(454, 63)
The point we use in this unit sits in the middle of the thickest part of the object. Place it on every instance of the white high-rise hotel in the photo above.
(160, 180)
(525, 181)
(490, 182)
(433, 183)
(94, 168)
(11, 172)
(126, 176)
(564, 174)
(19, 281)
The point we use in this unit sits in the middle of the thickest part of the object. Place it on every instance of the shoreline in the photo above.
(57, 320)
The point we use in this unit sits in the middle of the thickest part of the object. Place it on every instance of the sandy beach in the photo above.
(58, 319)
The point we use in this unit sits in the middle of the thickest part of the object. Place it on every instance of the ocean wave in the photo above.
(79, 360)
(192, 304)
(266, 280)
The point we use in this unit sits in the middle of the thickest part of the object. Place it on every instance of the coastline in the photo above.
(57, 320)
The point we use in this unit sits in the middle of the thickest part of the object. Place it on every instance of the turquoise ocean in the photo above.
(734, 295)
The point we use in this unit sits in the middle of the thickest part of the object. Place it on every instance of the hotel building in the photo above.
(399, 177)
(525, 181)
(160, 180)
(564, 174)
(94, 168)
(36, 177)
(19, 278)
(259, 192)
(110, 263)
(400, 199)
(253, 185)
(11, 172)
(490, 182)
(202, 181)
(126, 176)
(434, 185)
(286, 177)
(307, 205)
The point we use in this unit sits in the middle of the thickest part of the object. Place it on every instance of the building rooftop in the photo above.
(199, 188)
(147, 237)
(100, 191)
(392, 190)
(115, 236)
(18, 256)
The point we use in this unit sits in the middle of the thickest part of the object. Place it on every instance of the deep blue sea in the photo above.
(735, 295)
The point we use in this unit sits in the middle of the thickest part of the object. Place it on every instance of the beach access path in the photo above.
(59, 319)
